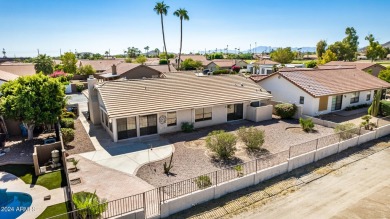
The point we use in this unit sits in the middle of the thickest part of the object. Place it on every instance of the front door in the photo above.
(337, 102)
(235, 111)
(148, 124)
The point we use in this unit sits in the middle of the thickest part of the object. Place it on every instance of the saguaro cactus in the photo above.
(374, 108)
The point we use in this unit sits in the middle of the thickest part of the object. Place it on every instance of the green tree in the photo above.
(190, 64)
(141, 59)
(33, 100)
(69, 62)
(44, 64)
(146, 48)
(311, 64)
(282, 55)
(162, 9)
(321, 48)
(327, 57)
(351, 42)
(374, 49)
(97, 56)
(86, 70)
(183, 15)
(157, 51)
(385, 74)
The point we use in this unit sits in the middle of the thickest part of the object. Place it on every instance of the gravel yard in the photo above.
(191, 157)
(82, 142)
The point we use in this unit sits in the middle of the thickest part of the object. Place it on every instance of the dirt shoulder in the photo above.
(352, 184)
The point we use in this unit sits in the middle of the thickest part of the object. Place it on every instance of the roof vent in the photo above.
(242, 85)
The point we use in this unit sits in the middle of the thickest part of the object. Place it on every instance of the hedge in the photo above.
(219, 72)
(285, 110)
(163, 62)
(67, 123)
(67, 135)
(384, 108)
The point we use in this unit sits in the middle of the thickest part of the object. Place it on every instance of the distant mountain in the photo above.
(261, 49)
(385, 45)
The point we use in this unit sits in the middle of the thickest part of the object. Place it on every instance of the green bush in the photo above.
(223, 71)
(222, 143)
(285, 110)
(252, 137)
(306, 124)
(92, 204)
(187, 127)
(163, 62)
(346, 130)
(203, 182)
(311, 64)
(67, 135)
(366, 123)
(79, 87)
(384, 108)
(67, 123)
(349, 108)
(66, 114)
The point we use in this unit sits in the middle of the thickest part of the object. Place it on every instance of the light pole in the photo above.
(227, 49)
(255, 47)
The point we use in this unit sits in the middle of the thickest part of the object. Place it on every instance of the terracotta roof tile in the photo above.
(358, 65)
(6, 76)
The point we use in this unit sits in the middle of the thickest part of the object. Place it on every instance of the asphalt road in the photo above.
(359, 190)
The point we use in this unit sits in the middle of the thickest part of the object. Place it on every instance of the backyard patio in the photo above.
(192, 157)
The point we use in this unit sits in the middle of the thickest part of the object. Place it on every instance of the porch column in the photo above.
(115, 130)
(137, 123)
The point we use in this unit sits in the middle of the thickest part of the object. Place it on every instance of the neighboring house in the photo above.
(262, 67)
(100, 65)
(322, 91)
(131, 71)
(152, 61)
(20, 69)
(370, 67)
(226, 64)
(138, 108)
(6, 76)
(388, 57)
(200, 58)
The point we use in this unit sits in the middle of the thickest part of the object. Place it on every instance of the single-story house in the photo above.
(143, 107)
(20, 69)
(225, 64)
(321, 91)
(133, 71)
(200, 58)
(6, 76)
(262, 67)
(370, 67)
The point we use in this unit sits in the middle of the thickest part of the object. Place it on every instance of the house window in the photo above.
(106, 119)
(171, 119)
(101, 111)
(355, 97)
(301, 100)
(368, 97)
(203, 114)
(126, 127)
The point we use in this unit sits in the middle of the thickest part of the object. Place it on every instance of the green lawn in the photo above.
(54, 210)
(301, 61)
(26, 173)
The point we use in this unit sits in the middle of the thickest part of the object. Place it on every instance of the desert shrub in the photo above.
(236, 69)
(222, 143)
(223, 71)
(346, 130)
(252, 137)
(203, 182)
(239, 169)
(163, 62)
(285, 110)
(67, 135)
(93, 205)
(79, 87)
(384, 108)
(306, 124)
(67, 123)
(349, 108)
(66, 114)
(366, 123)
(187, 127)
(128, 60)
(311, 64)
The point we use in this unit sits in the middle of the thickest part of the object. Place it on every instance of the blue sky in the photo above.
(99, 25)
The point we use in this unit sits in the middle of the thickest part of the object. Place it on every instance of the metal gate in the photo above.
(152, 203)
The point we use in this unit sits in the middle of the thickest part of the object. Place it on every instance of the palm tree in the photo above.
(146, 50)
(106, 52)
(162, 9)
(157, 51)
(182, 14)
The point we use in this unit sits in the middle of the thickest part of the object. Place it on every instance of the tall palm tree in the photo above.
(182, 14)
(162, 9)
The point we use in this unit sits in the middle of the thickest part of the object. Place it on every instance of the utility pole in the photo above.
(227, 49)
(250, 48)
(38, 51)
(255, 47)
(60, 53)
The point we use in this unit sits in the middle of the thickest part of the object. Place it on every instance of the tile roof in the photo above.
(99, 65)
(224, 63)
(6, 76)
(125, 67)
(177, 91)
(257, 78)
(20, 69)
(266, 62)
(162, 68)
(358, 65)
(326, 82)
